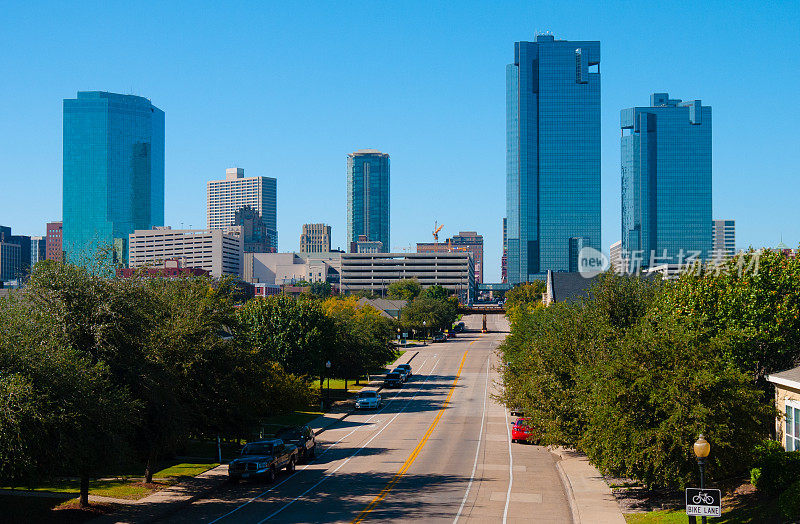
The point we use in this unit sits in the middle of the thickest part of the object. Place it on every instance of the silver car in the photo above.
(368, 399)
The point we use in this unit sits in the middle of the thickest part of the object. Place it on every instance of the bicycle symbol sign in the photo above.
(703, 502)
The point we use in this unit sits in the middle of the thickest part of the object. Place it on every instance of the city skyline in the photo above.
(445, 132)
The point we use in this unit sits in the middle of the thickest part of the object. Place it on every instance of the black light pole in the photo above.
(328, 373)
(701, 450)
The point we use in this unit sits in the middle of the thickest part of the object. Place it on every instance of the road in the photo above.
(438, 450)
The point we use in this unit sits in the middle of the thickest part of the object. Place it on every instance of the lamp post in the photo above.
(701, 450)
(424, 334)
(328, 373)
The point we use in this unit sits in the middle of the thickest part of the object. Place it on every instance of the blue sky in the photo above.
(287, 89)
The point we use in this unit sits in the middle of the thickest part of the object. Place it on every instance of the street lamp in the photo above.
(701, 450)
(328, 373)
(424, 334)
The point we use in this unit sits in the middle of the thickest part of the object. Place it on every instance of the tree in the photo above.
(424, 313)
(321, 289)
(435, 292)
(293, 333)
(755, 299)
(59, 352)
(405, 289)
(363, 337)
(528, 294)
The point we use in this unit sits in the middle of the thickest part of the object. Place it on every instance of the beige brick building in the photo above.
(787, 400)
(315, 238)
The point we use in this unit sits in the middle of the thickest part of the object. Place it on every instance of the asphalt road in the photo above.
(438, 450)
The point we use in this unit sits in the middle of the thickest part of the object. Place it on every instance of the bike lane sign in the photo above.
(703, 502)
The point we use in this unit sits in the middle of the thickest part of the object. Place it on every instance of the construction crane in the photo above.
(436, 229)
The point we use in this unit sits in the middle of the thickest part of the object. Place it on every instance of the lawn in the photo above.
(123, 487)
(45, 510)
(758, 512)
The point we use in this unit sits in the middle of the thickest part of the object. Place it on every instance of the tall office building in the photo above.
(723, 238)
(53, 241)
(666, 182)
(504, 259)
(368, 197)
(226, 197)
(113, 171)
(255, 235)
(315, 238)
(552, 155)
(22, 262)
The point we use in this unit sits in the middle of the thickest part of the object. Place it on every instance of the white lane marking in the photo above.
(478, 448)
(510, 471)
(323, 479)
(276, 486)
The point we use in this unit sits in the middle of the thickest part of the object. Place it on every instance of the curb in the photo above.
(567, 485)
(346, 413)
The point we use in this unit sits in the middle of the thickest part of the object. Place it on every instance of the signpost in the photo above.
(703, 502)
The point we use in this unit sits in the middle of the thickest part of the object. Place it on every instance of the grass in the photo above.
(44, 510)
(122, 488)
(759, 512)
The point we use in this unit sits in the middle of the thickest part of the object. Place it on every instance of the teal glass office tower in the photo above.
(368, 197)
(113, 172)
(552, 155)
(666, 181)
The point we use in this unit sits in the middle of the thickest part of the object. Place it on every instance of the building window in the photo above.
(792, 426)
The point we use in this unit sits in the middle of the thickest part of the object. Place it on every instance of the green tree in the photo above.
(293, 333)
(435, 292)
(426, 314)
(321, 289)
(755, 300)
(528, 294)
(405, 289)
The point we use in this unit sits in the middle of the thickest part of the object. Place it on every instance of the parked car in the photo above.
(407, 367)
(302, 437)
(263, 459)
(451, 334)
(368, 399)
(392, 380)
(523, 431)
(439, 337)
(402, 372)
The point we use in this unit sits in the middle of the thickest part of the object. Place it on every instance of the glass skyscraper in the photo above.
(368, 197)
(113, 172)
(552, 155)
(666, 181)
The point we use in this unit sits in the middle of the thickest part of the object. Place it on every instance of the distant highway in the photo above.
(438, 450)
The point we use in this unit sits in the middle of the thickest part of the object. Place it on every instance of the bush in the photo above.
(789, 501)
(774, 469)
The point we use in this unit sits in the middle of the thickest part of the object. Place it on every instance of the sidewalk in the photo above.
(170, 500)
(590, 498)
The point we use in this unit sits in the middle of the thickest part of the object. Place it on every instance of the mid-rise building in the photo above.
(366, 246)
(375, 271)
(23, 262)
(113, 172)
(368, 197)
(469, 241)
(291, 268)
(666, 182)
(552, 155)
(38, 249)
(215, 250)
(226, 197)
(315, 238)
(255, 234)
(10, 260)
(723, 238)
(53, 249)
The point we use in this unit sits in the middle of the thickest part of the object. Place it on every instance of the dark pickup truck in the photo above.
(302, 437)
(392, 380)
(263, 459)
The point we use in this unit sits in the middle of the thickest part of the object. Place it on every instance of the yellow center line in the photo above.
(385, 491)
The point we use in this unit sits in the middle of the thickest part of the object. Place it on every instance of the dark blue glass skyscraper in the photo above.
(666, 181)
(113, 172)
(552, 155)
(368, 197)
